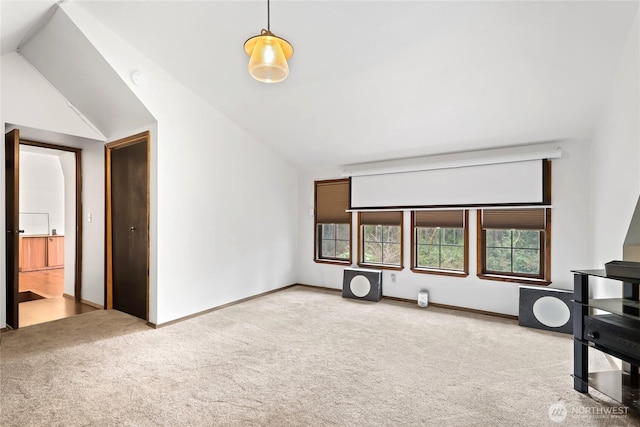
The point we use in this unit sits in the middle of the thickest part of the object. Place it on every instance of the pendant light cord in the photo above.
(268, 17)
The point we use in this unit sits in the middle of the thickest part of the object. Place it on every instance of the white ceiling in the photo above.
(19, 19)
(374, 80)
(73, 65)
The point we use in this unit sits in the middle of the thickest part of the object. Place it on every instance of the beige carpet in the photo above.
(299, 357)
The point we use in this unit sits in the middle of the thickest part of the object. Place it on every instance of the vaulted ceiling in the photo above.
(374, 80)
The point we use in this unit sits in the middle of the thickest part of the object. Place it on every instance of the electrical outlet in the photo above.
(393, 277)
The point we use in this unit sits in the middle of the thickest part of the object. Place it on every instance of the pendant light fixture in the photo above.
(269, 54)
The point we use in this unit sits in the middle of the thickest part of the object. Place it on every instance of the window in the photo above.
(332, 222)
(335, 241)
(439, 242)
(514, 244)
(380, 237)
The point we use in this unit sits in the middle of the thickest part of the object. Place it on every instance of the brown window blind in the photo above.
(522, 219)
(445, 219)
(332, 201)
(381, 218)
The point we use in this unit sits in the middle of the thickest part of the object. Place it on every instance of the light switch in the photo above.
(89, 217)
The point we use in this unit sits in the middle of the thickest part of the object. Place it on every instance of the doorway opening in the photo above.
(44, 232)
(47, 252)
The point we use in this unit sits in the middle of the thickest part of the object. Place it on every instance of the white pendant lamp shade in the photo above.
(269, 55)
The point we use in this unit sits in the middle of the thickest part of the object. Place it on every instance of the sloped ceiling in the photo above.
(73, 65)
(63, 55)
(28, 99)
(19, 19)
(380, 79)
(373, 80)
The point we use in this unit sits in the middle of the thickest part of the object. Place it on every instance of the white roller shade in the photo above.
(514, 183)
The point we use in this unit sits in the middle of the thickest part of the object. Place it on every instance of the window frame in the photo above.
(320, 239)
(438, 271)
(362, 263)
(543, 279)
(317, 234)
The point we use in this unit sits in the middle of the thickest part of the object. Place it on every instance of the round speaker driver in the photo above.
(360, 286)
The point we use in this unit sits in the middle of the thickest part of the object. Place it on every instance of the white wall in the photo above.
(569, 242)
(616, 161)
(68, 164)
(29, 99)
(42, 190)
(224, 206)
(92, 232)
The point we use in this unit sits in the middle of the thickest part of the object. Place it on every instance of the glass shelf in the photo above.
(625, 307)
(618, 355)
(602, 273)
(618, 385)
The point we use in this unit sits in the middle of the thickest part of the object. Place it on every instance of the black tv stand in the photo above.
(612, 326)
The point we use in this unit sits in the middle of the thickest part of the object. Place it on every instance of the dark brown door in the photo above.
(12, 185)
(130, 228)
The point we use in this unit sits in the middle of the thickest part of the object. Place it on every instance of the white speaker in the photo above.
(361, 283)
